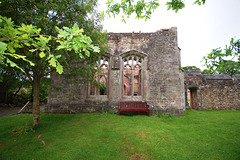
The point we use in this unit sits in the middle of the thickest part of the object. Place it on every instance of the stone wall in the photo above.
(214, 91)
(69, 95)
(161, 80)
(163, 85)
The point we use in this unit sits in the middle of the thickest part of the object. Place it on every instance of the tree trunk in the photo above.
(36, 107)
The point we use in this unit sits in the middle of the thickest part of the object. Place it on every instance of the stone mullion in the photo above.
(107, 76)
(132, 86)
(140, 76)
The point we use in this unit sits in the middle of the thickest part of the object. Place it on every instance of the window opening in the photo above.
(99, 84)
(132, 75)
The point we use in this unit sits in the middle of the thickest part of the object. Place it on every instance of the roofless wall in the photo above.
(138, 66)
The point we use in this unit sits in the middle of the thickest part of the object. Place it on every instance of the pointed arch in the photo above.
(133, 52)
(99, 86)
(132, 66)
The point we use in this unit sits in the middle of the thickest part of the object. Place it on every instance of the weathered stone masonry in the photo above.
(144, 66)
(156, 78)
(217, 92)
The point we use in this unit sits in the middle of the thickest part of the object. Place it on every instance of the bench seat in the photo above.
(133, 106)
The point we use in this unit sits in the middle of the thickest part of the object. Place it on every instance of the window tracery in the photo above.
(132, 68)
(99, 86)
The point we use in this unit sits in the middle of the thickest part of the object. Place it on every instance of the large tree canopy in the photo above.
(57, 40)
(26, 42)
(224, 61)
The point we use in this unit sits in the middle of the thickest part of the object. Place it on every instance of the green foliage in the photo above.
(47, 37)
(24, 95)
(11, 39)
(206, 71)
(44, 86)
(73, 15)
(22, 130)
(160, 114)
(16, 89)
(225, 61)
(171, 116)
(200, 2)
(142, 8)
(100, 85)
(197, 135)
(10, 83)
(108, 113)
(28, 35)
(76, 41)
(175, 5)
(168, 116)
(190, 68)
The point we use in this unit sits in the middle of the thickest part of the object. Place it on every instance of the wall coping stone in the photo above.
(213, 76)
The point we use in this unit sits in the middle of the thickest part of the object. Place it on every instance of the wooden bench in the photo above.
(133, 106)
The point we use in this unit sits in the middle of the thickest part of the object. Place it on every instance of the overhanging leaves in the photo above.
(142, 8)
(225, 61)
(69, 39)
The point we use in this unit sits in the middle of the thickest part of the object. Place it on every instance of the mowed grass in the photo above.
(213, 135)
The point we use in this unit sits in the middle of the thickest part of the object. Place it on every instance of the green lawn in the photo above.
(213, 135)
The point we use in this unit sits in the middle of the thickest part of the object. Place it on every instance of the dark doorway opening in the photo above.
(193, 98)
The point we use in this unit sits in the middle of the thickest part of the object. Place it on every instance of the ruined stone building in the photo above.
(140, 67)
(215, 92)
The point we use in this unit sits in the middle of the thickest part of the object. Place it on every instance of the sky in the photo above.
(200, 28)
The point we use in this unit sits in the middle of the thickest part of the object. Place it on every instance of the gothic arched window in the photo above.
(132, 68)
(99, 86)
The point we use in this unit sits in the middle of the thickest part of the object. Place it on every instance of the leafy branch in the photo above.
(225, 61)
(142, 8)
(13, 38)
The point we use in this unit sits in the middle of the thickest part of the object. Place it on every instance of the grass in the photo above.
(213, 135)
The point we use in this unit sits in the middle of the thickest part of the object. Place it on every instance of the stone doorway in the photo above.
(193, 98)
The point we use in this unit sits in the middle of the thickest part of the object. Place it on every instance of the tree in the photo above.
(36, 48)
(10, 82)
(206, 71)
(142, 8)
(7, 82)
(54, 47)
(225, 61)
(190, 68)
(48, 14)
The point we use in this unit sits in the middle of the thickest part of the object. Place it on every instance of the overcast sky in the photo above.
(200, 28)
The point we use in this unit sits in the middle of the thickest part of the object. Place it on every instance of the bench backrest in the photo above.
(133, 104)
